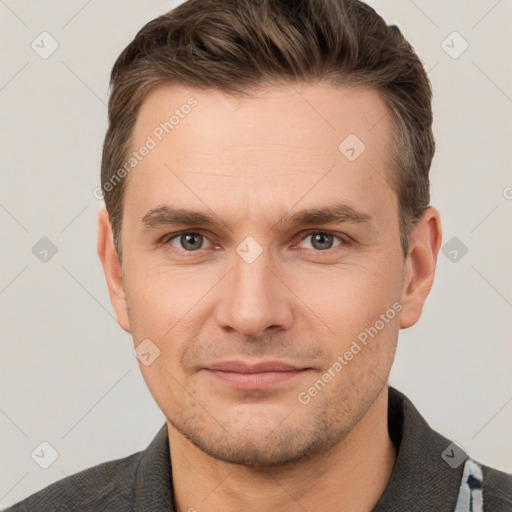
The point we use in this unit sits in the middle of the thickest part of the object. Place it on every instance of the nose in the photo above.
(254, 298)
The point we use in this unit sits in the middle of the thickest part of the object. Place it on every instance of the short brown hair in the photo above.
(239, 45)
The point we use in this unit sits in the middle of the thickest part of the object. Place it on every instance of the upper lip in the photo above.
(260, 367)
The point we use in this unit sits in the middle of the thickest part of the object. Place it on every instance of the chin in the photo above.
(252, 445)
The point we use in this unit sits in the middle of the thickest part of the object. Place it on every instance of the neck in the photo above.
(350, 477)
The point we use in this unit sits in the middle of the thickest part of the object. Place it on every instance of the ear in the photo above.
(425, 242)
(112, 269)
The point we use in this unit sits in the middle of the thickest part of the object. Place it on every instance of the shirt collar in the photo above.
(153, 485)
(420, 480)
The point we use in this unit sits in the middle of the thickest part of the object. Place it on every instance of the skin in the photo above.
(302, 301)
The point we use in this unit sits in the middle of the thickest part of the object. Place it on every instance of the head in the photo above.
(265, 173)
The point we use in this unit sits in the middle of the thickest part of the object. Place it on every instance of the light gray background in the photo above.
(68, 374)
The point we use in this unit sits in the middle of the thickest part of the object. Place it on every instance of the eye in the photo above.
(189, 241)
(192, 241)
(322, 240)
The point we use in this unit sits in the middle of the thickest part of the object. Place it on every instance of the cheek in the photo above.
(361, 307)
(168, 306)
(349, 298)
(160, 297)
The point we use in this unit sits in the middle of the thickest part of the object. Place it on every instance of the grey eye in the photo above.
(188, 241)
(321, 241)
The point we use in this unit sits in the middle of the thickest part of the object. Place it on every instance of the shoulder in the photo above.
(107, 486)
(497, 489)
(427, 461)
(141, 481)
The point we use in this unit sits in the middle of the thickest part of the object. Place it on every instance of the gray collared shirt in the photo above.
(431, 474)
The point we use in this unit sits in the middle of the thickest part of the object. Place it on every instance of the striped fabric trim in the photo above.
(471, 489)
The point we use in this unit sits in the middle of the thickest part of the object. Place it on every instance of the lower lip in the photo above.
(261, 380)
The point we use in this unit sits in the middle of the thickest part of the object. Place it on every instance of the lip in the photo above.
(260, 367)
(261, 375)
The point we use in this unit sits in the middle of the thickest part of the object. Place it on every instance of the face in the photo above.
(261, 255)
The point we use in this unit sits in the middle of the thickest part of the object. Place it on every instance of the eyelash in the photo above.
(344, 240)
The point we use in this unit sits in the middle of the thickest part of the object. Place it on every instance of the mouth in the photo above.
(262, 375)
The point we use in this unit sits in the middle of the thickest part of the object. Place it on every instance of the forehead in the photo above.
(326, 113)
(275, 147)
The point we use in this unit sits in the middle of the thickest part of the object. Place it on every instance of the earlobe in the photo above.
(425, 242)
(112, 269)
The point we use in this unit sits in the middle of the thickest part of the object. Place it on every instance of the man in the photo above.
(267, 233)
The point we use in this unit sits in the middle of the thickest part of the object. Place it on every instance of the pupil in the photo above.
(188, 238)
(322, 238)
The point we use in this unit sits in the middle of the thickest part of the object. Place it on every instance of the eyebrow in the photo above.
(338, 213)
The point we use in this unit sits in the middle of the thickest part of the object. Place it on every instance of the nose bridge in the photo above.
(253, 299)
(251, 271)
